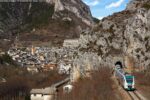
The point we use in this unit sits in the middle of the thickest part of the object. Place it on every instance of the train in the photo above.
(125, 79)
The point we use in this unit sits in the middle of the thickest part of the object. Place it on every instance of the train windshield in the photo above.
(129, 79)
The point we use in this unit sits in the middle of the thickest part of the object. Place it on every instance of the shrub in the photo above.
(6, 59)
(98, 87)
(146, 6)
(143, 78)
(96, 20)
(39, 17)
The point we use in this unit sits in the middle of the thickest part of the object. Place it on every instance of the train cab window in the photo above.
(129, 79)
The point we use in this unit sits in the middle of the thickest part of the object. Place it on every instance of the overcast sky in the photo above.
(103, 8)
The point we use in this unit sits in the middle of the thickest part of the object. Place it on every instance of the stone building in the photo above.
(72, 43)
(43, 94)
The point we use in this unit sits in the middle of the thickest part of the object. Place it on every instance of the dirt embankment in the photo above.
(143, 82)
(99, 86)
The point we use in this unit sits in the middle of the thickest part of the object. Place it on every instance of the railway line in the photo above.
(135, 95)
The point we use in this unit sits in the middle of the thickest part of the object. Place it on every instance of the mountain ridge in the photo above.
(44, 21)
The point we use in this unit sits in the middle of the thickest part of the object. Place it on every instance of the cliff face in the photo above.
(126, 33)
(44, 20)
(77, 7)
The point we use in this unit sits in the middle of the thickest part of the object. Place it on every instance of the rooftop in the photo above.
(46, 91)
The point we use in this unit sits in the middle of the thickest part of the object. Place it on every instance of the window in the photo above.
(129, 80)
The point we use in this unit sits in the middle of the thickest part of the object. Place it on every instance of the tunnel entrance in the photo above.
(119, 64)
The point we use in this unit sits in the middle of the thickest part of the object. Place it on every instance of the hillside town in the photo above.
(42, 58)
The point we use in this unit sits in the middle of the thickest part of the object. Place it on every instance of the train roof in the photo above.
(123, 73)
(129, 76)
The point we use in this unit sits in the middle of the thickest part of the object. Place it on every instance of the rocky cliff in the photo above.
(122, 34)
(44, 21)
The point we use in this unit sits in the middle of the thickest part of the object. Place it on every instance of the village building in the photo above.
(72, 43)
(1, 52)
(64, 69)
(2, 80)
(32, 69)
(48, 67)
(33, 50)
(67, 88)
(48, 93)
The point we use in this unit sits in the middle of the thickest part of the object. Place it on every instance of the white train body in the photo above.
(126, 80)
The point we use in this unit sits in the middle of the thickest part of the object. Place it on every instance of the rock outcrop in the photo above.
(77, 7)
(122, 34)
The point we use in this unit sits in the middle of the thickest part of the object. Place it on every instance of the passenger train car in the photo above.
(126, 80)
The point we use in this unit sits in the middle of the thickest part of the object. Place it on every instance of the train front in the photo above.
(129, 82)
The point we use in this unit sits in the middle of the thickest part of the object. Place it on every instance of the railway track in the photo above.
(135, 95)
(129, 95)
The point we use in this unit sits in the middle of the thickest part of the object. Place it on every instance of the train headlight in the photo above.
(132, 86)
(125, 85)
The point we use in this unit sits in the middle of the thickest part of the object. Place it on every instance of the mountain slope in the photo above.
(126, 33)
(43, 21)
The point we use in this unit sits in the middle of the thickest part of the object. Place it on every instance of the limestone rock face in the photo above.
(126, 33)
(77, 7)
(65, 15)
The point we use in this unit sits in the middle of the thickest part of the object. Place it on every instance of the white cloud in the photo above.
(100, 18)
(114, 4)
(93, 2)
